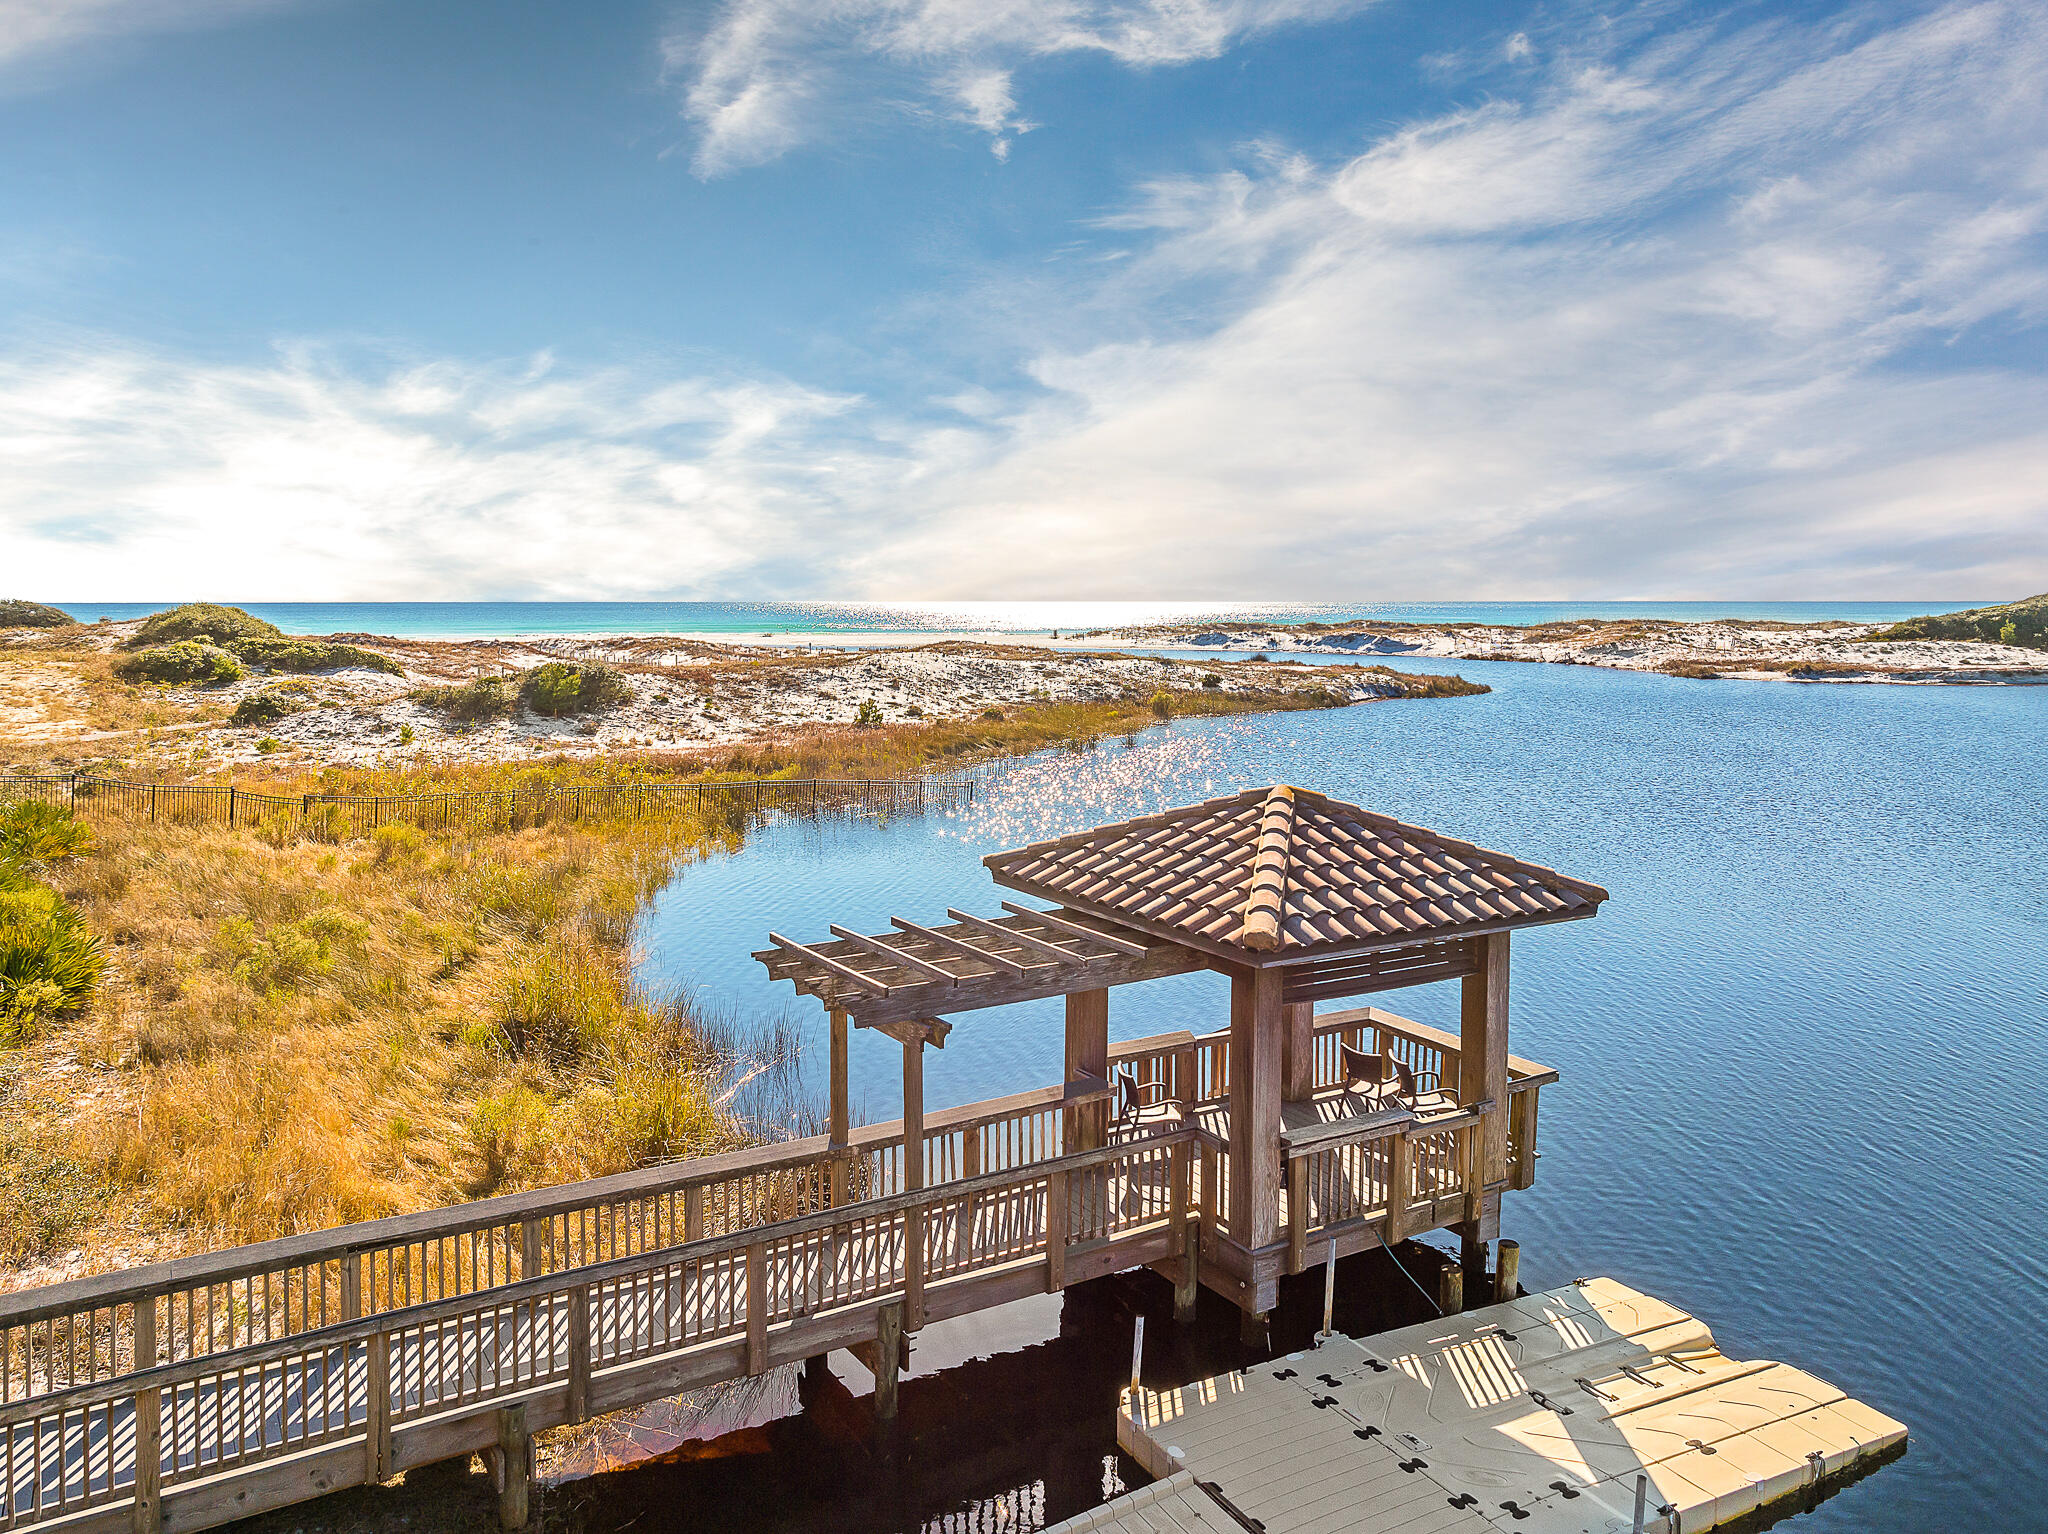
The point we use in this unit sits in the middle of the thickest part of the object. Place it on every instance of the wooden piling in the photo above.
(1450, 1288)
(514, 1467)
(1507, 1284)
(888, 1359)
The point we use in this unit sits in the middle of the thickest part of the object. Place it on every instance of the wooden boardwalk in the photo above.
(184, 1395)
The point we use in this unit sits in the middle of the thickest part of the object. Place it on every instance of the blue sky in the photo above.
(1201, 299)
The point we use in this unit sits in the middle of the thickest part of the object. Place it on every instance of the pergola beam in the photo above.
(894, 955)
(959, 945)
(1051, 950)
(1075, 929)
(844, 971)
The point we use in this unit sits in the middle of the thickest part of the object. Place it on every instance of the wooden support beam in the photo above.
(377, 1432)
(888, 1359)
(1121, 945)
(757, 1308)
(1052, 951)
(1187, 1220)
(1400, 1187)
(915, 1030)
(839, 1125)
(149, 1513)
(912, 1314)
(959, 945)
(1483, 1052)
(579, 1353)
(834, 966)
(1057, 1190)
(1087, 1127)
(1522, 1121)
(1298, 1063)
(1297, 1214)
(514, 1467)
(895, 955)
(1255, 1046)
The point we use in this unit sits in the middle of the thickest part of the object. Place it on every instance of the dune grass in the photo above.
(292, 1034)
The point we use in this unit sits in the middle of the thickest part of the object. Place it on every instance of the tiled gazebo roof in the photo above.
(1284, 874)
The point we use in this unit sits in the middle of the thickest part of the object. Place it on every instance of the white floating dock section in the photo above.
(1540, 1416)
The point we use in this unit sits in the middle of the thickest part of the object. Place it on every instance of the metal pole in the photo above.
(1642, 1501)
(1137, 1351)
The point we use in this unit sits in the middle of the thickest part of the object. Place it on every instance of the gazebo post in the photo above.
(838, 1130)
(1298, 1066)
(1087, 1127)
(1256, 1037)
(913, 1181)
(1483, 1077)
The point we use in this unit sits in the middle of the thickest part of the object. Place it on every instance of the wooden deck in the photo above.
(190, 1393)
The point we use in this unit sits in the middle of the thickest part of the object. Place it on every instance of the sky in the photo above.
(1230, 300)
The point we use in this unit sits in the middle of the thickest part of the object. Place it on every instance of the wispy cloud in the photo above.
(1735, 312)
(311, 475)
(761, 77)
(34, 31)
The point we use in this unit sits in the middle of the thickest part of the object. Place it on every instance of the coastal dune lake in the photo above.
(1800, 1046)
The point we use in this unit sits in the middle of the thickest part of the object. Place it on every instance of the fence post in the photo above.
(757, 1308)
(1056, 1232)
(1400, 1177)
(231, 805)
(377, 1442)
(148, 1426)
(579, 1353)
(531, 1261)
(352, 1287)
(1297, 1214)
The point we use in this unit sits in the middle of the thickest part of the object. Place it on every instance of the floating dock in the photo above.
(1585, 1410)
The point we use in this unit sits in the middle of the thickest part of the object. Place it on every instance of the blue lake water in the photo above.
(854, 622)
(1800, 1046)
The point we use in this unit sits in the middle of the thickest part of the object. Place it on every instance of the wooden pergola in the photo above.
(1296, 897)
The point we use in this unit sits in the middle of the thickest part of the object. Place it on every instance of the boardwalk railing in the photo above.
(192, 1442)
(90, 1329)
(346, 815)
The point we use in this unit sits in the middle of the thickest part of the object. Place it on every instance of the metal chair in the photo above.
(1387, 1082)
(1144, 1107)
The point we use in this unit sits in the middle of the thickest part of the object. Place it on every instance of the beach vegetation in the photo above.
(210, 622)
(307, 655)
(50, 960)
(869, 715)
(182, 660)
(558, 688)
(269, 705)
(486, 698)
(1161, 703)
(2025, 620)
(17, 614)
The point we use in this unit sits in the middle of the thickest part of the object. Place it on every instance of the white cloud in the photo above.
(134, 476)
(763, 76)
(1732, 315)
(38, 29)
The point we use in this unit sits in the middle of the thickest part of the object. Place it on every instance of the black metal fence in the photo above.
(345, 815)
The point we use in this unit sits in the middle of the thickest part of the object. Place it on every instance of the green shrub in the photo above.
(32, 833)
(16, 614)
(263, 707)
(991, 713)
(268, 744)
(186, 660)
(2009, 633)
(558, 688)
(311, 655)
(1211, 679)
(49, 960)
(488, 697)
(2026, 621)
(209, 621)
(405, 734)
(1161, 704)
(869, 715)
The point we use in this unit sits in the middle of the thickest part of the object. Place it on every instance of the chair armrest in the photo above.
(1146, 1087)
(1436, 1083)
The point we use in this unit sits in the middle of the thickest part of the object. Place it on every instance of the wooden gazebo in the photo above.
(1298, 898)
